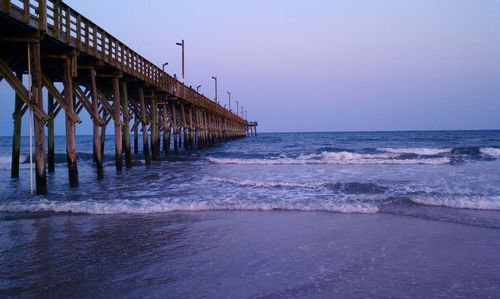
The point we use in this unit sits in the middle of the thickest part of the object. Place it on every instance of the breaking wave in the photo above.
(460, 201)
(335, 158)
(161, 206)
(417, 151)
(270, 184)
(346, 188)
(490, 151)
(384, 155)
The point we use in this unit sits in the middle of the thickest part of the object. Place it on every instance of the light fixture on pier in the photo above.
(182, 45)
(215, 78)
(229, 100)
(198, 88)
(163, 66)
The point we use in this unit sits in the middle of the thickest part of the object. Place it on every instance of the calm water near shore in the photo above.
(295, 214)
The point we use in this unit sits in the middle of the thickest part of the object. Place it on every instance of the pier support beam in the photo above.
(126, 126)
(98, 148)
(50, 130)
(103, 128)
(185, 126)
(39, 123)
(166, 130)
(191, 128)
(145, 145)
(174, 125)
(118, 125)
(154, 130)
(16, 136)
(70, 125)
(136, 134)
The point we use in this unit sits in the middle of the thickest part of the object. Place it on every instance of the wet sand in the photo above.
(223, 254)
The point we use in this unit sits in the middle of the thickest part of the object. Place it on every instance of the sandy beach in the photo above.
(246, 254)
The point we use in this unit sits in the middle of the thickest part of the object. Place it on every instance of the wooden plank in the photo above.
(42, 15)
(68, 24)
(57, 19)
(6, 6)
(26, 11)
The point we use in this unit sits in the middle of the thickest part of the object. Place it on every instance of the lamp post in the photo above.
(246, 115)
(241, 111)
(237, 107)
(198, 88)
(163, 66)
(229, 100)
(215, 78)
(182, 45)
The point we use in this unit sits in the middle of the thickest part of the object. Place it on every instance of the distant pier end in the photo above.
(252, 128)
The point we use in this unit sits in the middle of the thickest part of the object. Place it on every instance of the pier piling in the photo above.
(118, 125)
(39, 122)
(16, 136)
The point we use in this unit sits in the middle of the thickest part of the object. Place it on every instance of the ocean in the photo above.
(352, 214)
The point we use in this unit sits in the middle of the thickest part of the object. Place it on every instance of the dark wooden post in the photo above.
(166, 131)
(39, 123)
(50, 129)
(191, 128)
(16, 136)
(184, 125)
(136, 134)
(118, 129)
(154, 130)
(174, 125)
(103, 129)
(70, 125)
(98, 149)
(126, 126)
(145, 147)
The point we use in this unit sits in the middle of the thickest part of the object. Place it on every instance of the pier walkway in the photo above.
(50, 42)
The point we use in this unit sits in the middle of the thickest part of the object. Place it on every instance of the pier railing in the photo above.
(57, 20)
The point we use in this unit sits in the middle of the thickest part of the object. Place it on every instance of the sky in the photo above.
(320, 65)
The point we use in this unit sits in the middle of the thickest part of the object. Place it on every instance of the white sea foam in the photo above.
(417, 150)
(270, 184)
(5, 161)
(460, 201)
(490, 151)
(334, 158)
(159, 206)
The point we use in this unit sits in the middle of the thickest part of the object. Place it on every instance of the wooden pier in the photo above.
(50, 42)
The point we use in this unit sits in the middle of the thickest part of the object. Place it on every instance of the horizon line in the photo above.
(346, 131)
